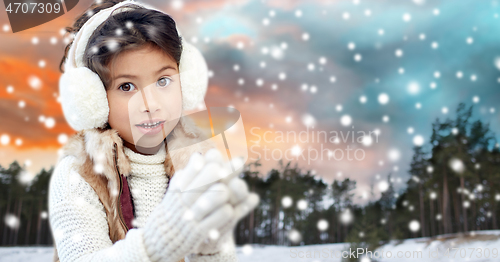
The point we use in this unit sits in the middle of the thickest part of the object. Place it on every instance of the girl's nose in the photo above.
(151, 99)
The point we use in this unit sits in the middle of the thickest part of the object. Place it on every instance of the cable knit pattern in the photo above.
(80, 227)
(147, 181)
(225, 252)
(79, 224)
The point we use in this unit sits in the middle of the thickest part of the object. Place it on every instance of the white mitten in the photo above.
(221, 240)
(183, 219)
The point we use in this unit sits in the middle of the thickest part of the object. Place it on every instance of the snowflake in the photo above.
(346, 120)
(247, 249)
(414, 225)
(367, 140)
(383, 98)
(5, 139)
(42, 63)
(50, 122)
(302, 204)
(357, 57)
(362, 99)
(308, 120)
(351, 46)
(286, 202)
(413, 88)
(394, 155)
(418, 140)
(305, 36)
(298, 13)
(322, 225)
(265, 21)
(346, 217)
(457, 165)
(177, 4)
(214, 234)
(296, 151)
(294, 236)
(497, 64)
(259, 82)
(34, 82)
(406, 17)
(62, 139)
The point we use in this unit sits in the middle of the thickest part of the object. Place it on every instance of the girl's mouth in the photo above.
(151, 128)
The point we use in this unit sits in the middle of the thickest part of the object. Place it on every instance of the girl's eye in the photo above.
(164, 81)
(127, 87)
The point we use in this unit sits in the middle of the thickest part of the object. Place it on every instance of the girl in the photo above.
(128, 77)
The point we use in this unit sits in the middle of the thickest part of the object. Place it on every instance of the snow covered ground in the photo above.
(479, 247)
(26, 254)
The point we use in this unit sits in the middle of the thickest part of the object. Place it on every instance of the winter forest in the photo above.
(452, 187)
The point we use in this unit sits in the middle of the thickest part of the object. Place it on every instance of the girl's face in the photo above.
(144, 97)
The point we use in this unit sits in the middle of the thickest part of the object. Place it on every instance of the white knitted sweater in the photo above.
(78, 218)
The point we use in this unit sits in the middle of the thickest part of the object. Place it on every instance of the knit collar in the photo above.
(137, 158)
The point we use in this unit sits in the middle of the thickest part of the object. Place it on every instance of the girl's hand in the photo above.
(221, 240)
(184, 218)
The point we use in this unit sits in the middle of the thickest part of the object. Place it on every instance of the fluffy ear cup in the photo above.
(83, 99)
(194, 76)
(83, 96)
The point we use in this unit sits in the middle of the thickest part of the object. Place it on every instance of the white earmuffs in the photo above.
(83, 96)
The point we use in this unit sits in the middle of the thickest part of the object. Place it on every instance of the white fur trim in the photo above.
(194, 76)
(75, 56)
(83, 99)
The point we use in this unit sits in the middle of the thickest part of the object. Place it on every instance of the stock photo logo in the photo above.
(26, 14)
(225, 130)
(220, 126)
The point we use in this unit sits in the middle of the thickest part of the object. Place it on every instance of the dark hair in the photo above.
(127, 30)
